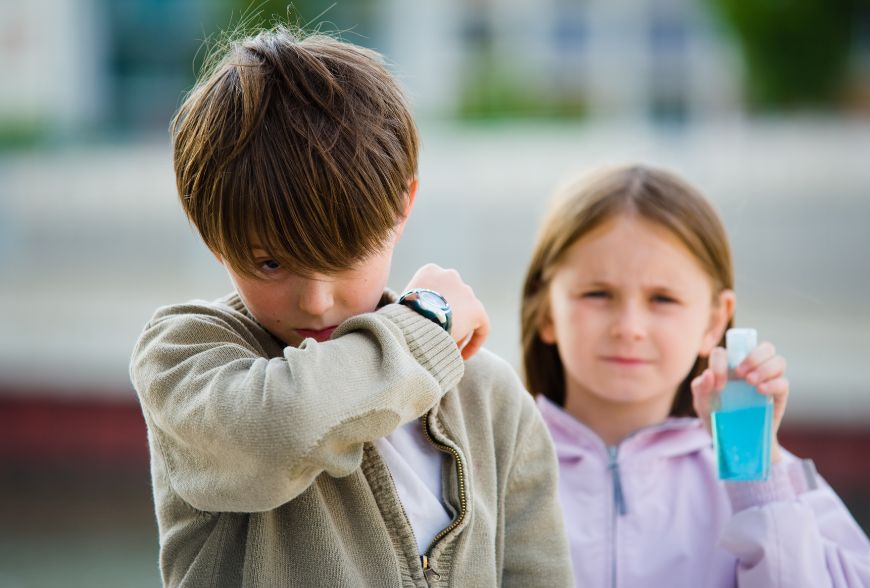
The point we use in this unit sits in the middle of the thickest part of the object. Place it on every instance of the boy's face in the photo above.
(293, 308)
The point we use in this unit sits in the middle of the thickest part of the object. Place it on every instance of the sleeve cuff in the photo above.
(778, 487)
(430, 345)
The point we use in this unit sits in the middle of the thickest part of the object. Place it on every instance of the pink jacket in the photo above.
(651, 512)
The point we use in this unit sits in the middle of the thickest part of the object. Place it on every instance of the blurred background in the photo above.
(765, 105)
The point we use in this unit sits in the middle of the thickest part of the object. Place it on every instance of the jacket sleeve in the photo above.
(241, 432)
(535, 544)
(793, 531)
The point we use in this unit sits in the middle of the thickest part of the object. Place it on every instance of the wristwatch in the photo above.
(430, 304)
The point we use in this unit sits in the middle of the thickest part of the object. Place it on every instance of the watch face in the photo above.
(433, 299)
(431, 305)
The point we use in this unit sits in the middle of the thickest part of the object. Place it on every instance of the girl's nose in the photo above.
(629, 323)
(316, 297)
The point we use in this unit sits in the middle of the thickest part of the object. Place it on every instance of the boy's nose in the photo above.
(316, 298)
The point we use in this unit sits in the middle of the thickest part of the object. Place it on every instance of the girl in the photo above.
(628, 294)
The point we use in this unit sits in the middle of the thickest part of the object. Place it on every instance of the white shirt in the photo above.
(415, 465)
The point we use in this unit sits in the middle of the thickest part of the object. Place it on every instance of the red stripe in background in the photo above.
(840, 453)
(37, 426)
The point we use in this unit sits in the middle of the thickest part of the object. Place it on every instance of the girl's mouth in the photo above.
(626, 361)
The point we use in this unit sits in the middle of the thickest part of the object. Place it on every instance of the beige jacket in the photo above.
(264, 473)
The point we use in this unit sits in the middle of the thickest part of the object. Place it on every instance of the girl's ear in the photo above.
(720, 315)
(547, 330)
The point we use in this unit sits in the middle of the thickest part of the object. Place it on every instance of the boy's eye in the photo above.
(663, 299)
(269, 265)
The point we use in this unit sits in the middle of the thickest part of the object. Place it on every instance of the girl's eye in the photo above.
(662, 299)
(597, 294)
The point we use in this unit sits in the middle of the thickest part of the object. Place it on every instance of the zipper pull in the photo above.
(618, 495)
(427, 569)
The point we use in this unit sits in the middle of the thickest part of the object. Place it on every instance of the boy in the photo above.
(308, 430)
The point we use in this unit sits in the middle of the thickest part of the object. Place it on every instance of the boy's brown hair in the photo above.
(649, 193)
(301, 146)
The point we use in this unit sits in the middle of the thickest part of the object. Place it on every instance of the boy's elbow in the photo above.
(242, 492)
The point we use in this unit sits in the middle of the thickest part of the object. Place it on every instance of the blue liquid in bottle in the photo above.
(742, 424)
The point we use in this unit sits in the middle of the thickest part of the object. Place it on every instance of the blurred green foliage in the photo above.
(19, 133)
(497, 92)
(796, 51)
(328, 16)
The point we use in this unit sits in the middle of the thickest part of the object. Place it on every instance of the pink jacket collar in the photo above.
(671, 438)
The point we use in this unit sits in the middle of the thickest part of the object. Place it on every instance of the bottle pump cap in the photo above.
(739, 342)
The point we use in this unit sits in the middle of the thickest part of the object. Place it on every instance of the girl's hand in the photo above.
(762, 368)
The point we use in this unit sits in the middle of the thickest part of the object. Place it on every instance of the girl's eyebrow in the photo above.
(580, 282)
(662, 288)
(599, 283)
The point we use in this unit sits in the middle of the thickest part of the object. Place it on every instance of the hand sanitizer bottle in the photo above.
(743, 421)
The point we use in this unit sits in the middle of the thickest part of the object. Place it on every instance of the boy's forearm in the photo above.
(240, 432)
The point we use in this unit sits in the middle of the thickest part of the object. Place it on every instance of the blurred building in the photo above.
(656, 59)
(51, 67)
(100, 65)
(121, 66)
(83, 69)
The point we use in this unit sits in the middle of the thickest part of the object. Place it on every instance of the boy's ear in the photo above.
(412, 195)
(409, 204)
(723, 311)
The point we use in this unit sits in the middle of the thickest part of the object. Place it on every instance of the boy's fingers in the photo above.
(476, 338)
(768, 370)
(763, 352)
(470, 349)
(475, 342)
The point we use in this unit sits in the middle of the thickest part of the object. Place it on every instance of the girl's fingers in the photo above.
(718, 365)
(702, 386)
(776, 388)
(762, 353)
(768, 370)
(703, 392)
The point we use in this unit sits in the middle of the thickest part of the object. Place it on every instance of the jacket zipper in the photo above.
(619, 507)
(618, 495)
(405, 513)
(460, 471)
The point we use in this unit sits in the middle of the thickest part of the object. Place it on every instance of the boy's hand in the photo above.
(762, 368)
(470, 321)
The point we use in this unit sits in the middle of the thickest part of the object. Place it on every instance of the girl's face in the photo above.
(630, 309)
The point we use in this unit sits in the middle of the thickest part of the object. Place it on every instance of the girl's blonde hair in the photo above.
(649, 193)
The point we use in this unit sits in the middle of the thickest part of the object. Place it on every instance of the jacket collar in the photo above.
(675, 436)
